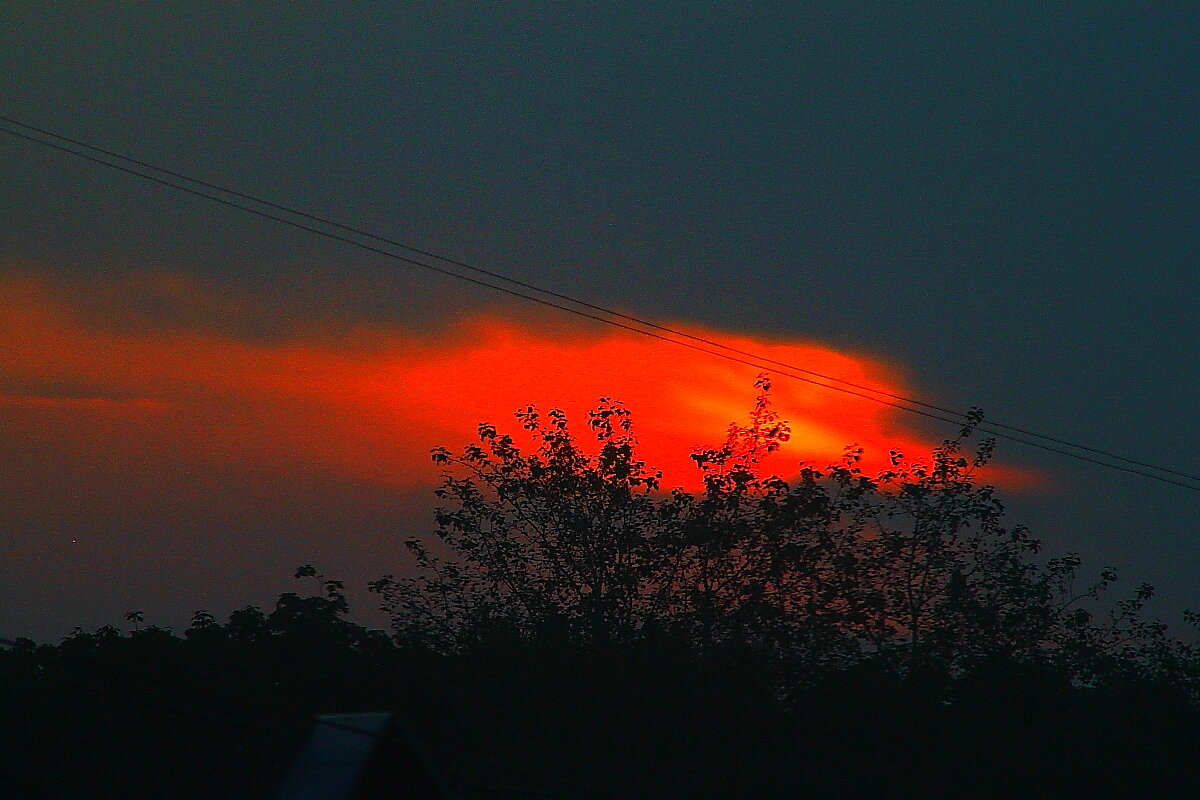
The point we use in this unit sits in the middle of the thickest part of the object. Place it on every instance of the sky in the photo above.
(989, 204)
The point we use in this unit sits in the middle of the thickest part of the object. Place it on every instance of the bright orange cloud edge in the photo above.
(369, 401)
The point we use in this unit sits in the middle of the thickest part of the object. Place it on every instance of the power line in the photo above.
(612, 318)
(984, 425)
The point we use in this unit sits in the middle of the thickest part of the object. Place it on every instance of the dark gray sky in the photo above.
(999, 198)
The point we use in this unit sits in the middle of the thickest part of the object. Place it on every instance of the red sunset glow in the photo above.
(369, 403)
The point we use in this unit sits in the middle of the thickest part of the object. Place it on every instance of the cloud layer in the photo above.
(171, 445)
(159, 369)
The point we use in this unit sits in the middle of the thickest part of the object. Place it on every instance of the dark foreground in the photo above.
(223, 710)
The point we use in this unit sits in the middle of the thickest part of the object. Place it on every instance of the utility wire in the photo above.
(723, 351)
(983, 425)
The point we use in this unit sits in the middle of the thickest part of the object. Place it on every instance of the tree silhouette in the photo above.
(913, 570)
(576, 629)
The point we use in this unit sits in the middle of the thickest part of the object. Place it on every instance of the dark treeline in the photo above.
(573, 631)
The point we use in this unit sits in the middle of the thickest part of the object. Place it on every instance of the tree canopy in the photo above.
(913, 570)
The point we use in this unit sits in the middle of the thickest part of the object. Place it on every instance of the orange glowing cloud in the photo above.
(106, 383)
